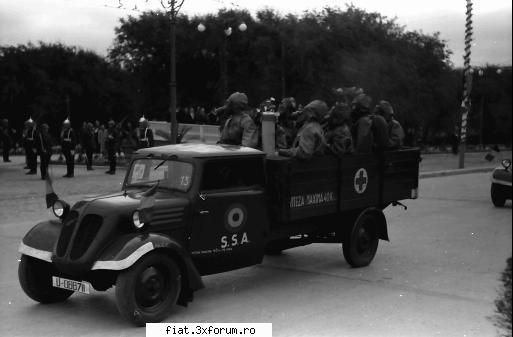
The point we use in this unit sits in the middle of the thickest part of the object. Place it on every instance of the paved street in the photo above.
(437, 277)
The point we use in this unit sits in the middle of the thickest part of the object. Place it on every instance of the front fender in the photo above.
(126, 251)
(501, 176)
(40, 240)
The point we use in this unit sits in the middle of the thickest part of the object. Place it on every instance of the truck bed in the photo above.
(299, 190)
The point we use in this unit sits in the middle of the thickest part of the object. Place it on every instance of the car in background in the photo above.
(501, 184)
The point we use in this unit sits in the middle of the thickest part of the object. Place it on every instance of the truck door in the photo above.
(230, 215)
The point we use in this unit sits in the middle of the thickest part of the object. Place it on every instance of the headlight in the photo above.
(506, 163)
(60, 209)
(136, 220)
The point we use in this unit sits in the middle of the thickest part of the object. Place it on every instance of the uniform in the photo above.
(239, 129)
(68, 142)
(111, 144)
(45, 150)
(310, 140)
(145, 137)
(30, 145)
(396, 133)
(340, 140)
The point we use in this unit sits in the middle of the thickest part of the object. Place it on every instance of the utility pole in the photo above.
(172, 8)
(467, 85)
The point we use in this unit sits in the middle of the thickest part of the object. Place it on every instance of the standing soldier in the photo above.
(239, 128)
(111, 144)
(30, 144)
(5, 139)
(44, 148)
(68, 142)
(144, 134)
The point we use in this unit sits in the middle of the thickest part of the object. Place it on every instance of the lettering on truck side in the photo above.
(297, 201)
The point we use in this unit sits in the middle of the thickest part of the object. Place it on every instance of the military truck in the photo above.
(212, 209)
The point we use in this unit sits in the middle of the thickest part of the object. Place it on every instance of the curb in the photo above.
(443, 173)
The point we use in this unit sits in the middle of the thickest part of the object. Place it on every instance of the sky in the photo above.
(90, 23)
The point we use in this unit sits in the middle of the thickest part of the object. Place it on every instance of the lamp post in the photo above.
(172, 7)
(224, 53)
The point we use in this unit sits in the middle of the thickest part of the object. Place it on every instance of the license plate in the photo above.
(64, 283)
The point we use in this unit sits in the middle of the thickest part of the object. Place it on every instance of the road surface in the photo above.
(438, 276)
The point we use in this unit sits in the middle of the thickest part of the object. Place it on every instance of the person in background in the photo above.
(88, 144)
(68, 142)
(30, 144)
(111, 144)
(338, 133)
(190, 116)
(5, 139)
(44, 149)
(286, 128)
(212, 117)
(310, 139)
(395, 130)
(202, 116)
(144, 134)
(102, 137)
(239, 128)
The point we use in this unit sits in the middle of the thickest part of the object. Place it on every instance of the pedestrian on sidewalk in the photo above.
(44, 149)
(68, 142)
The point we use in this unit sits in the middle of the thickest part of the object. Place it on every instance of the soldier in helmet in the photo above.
(30, 145)
(239, 128)
(369, 131)
(44, 147)
(144, 134)
(395, 130)
(310, 139)
(68, 142)
(111, 144)
(338, 133)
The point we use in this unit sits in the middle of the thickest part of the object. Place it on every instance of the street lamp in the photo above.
(224, 62)
(172, 7)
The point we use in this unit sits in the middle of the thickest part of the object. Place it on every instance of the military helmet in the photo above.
(362, 102)
(385, 108)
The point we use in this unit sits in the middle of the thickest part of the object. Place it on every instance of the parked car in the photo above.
(501, 184)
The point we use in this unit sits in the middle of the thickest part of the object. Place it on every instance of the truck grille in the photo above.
(167, 216)
(86, 232)
(66, 233)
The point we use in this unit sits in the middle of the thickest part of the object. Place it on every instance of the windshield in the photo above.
(172, 174)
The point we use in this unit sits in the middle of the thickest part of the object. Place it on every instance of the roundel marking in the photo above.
(361, 179)
(235, 217)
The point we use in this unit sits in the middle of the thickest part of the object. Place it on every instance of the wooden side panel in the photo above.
(400, 175)
(360, 185)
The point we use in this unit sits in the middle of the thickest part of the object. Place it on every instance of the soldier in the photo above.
(44, 148)
(30, 145)
(370, 131)
(68, 142)
(286, 129)
(395, 130)
(144, 134)
(338, 134)
(5, 139)
(239, 128)
(310, 139)
(111, 144)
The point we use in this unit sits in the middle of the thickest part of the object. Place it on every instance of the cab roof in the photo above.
(199, 150)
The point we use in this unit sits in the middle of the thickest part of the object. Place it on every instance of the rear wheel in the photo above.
(35, 278)
(147, 291)
(498, 195)
(361, 241)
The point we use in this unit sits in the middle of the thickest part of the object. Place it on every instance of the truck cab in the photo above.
(190, 210)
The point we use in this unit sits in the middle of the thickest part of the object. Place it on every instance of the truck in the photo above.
(189, 210)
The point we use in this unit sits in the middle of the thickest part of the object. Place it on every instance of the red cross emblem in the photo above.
(361, 180)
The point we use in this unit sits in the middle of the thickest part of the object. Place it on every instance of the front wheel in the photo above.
(361, 241)
(35, 278)
(147, 291)
(498, 195)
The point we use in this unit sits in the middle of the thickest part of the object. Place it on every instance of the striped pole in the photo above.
(467, 84)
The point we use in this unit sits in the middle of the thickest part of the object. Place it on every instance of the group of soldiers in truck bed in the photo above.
(317, 129)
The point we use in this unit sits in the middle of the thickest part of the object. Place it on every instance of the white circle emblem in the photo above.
(235, 217)
(361, 179)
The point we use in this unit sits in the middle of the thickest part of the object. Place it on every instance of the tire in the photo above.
(498, 195)
(35, 278)
(148, 290)
(361, 241)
